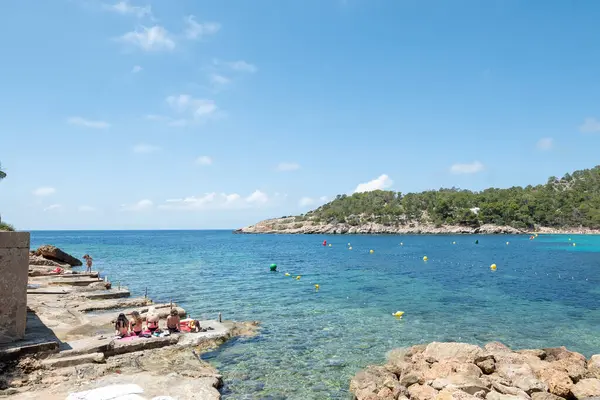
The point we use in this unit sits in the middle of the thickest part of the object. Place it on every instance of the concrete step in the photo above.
(49, 291)
(107, 294)
(110, 304)
(73, 360)
(78, 275)
(140, 344)
(74, 282)
(13, 351)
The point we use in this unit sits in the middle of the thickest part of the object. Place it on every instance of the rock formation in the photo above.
(461, 371)
(53, 253)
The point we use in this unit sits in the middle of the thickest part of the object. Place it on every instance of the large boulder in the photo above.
(545, 396)
(559, 382)
(41, 261)
(467, 384)
(499, 396)
(422, 392)
(462, 352)
(55, 254)
(593, 366)
(522, 377)
(372, 380)
(586, 388)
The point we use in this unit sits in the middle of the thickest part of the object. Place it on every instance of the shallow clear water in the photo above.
(544, 293)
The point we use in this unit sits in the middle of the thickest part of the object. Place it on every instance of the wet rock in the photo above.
(422, 392)
(462, 352)
(559, 382)
(589, 387)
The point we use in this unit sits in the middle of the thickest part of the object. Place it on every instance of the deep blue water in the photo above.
(545, 292)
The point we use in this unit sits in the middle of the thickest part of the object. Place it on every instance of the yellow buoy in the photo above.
(401, 244)
(348, 244)
(398, 314)
(371, 251)
(453, 242)
(569, 239)
(298, 278)
(287, 274)
(425, 258)
(574, 244)
(506, 242)
(350, 248)
(329, 244)
(493, 267)
(317, 287)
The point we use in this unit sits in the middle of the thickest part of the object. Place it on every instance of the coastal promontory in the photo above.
(570, 204)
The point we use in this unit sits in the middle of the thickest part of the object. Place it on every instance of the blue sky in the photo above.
(212, 114)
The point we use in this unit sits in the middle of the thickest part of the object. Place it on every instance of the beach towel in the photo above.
(112, 392)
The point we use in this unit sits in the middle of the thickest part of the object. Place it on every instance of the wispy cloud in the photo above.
(144, 148)
(212, 201)
(126, 8)
(44, 191)
(241, 66)
(197, 108)
(155, 38)
(380, 183)
(288, 166)
(86, 209)
(53, 207)
(79, 121)
(590, 125)
(217, 79)
(204, 160)
(545, 144)
(471, 168)
(197, 30)
(141, 205)
(136, 69)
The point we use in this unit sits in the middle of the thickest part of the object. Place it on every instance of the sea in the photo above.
(544, 292)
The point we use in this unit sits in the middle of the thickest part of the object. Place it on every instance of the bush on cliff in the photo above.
(570, 201)
(6, 227)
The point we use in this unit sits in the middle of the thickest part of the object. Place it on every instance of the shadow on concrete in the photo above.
(38, 339)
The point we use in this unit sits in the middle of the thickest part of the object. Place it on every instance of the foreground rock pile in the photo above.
(460, 371)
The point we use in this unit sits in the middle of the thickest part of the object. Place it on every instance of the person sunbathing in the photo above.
(122, 326)
(173, 321)
(136, 323)
(152, 319)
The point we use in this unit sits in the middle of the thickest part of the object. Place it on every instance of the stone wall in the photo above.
(14, 267)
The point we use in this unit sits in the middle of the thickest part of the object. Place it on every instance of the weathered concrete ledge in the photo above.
(461, 371)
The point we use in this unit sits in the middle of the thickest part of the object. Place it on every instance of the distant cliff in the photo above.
(570, 204)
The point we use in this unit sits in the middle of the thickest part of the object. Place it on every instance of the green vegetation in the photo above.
(571, 201)
(2, 173)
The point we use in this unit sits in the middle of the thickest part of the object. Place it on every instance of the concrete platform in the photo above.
(111, 304)
(21, 348)
(41, 291)
(107, 294)
(73, 361)
(74, 282)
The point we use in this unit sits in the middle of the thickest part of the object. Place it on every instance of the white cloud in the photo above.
(242, 66)
(44, 191)
(204, 160)
(217, 201)
(198, 108)
(88, 123)
(306, 201)
(545, 144)
(217, 79)
(52, 207)
(136, 69)
(144, 148)
(288, 166)
(125, 8)
(590, 125)
(380, 183)
(155, 38)
(141, 205)
(86, 209)
(257, 197)
(471, 168)
(196, 30)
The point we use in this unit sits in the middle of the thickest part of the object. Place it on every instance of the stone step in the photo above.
(13, 351)
(48, 291)
(110, 304)
(73, 360)
(140, 344)
(78, 275)
(74, 282)
(107, 294)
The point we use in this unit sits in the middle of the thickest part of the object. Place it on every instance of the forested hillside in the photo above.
(570, 201)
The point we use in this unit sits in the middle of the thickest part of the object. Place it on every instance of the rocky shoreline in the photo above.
(290, 225)
(461, 371)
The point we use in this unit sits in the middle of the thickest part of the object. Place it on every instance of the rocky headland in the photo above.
(461, 371)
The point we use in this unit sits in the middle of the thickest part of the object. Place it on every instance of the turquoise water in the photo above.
(545, 292)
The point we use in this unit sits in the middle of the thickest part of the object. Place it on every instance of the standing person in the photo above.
(88, 263)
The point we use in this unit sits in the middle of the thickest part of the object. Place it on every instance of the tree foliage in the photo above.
(570, 201)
